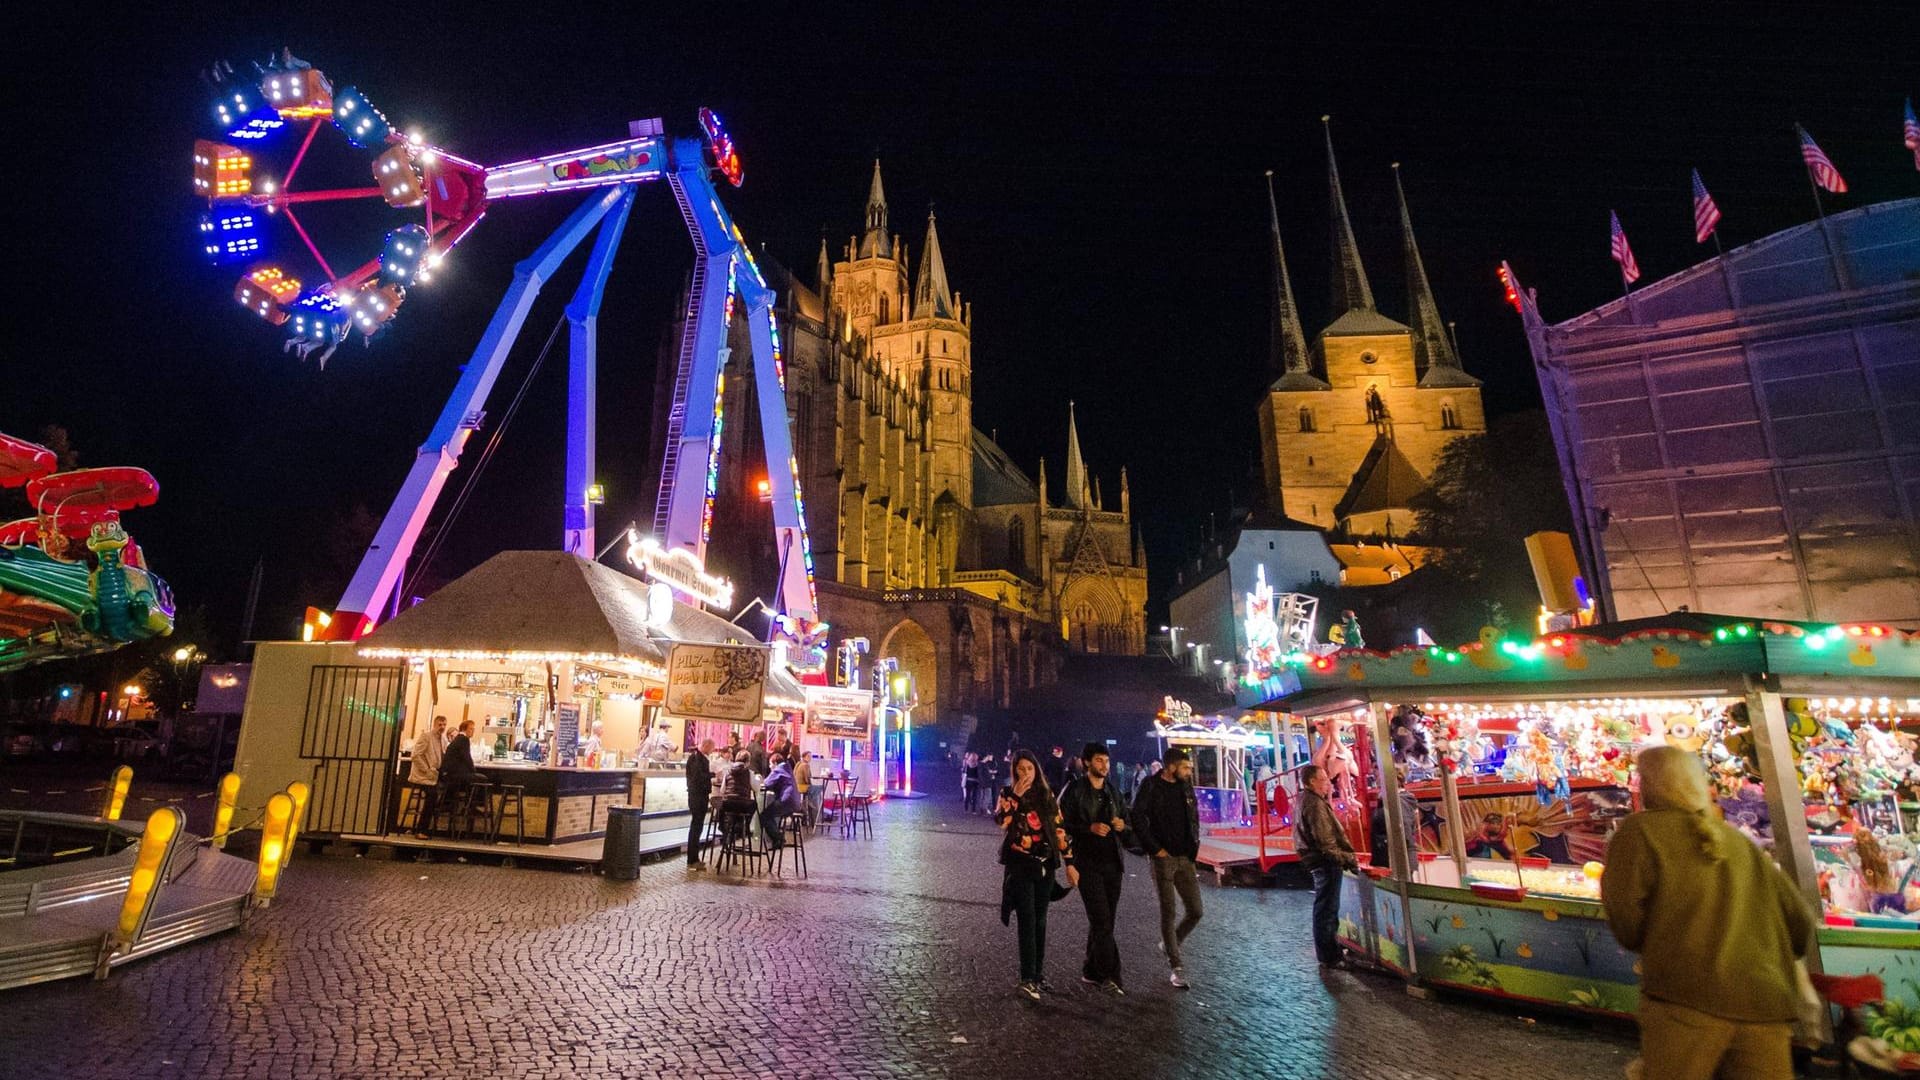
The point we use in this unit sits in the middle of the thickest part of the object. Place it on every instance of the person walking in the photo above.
(1717, 925)
(970, 780)
(1324, 852)
(699, 793)
(1094, 815)
(1166, 821)
(1032, 844)
(423, 772)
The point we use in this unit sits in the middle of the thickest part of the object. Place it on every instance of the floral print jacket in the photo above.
(1033, 831)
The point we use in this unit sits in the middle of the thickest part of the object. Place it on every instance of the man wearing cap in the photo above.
(1166, 821)
(1094, 815)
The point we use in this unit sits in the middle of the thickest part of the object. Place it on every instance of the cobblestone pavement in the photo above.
(889, 961)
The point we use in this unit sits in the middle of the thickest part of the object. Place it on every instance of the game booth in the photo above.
(1513, 764)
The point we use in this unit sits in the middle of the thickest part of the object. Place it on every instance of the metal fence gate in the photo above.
(352, 735)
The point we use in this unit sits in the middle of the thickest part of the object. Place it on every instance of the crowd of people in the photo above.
(1720, 929)
(1085, 831)
(757, 786)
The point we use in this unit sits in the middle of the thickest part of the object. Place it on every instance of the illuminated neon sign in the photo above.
(720, 145)
(679, 568)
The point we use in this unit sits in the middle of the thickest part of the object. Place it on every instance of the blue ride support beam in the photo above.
(583, 316)
(795, 595)
(704, 343)
(381, 568)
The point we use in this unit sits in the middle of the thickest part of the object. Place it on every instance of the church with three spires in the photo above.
(1352, 426)
(928, 538)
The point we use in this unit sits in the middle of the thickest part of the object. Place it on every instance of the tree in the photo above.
(1486, 495)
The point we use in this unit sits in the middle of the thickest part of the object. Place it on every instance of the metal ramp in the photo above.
(57, 920)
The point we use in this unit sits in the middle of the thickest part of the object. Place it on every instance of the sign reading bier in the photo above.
(840, 712)
(717, 682)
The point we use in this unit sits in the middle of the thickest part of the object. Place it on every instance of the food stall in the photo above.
(1519, 753)
(537, 648)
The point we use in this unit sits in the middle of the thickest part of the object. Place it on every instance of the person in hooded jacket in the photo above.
(1718, 928)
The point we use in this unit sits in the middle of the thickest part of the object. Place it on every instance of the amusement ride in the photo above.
(265, 121)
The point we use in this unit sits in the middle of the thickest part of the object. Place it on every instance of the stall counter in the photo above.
(564, 804)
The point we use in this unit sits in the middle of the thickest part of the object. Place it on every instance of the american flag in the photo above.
(1623, 254)
(1912, 131)
(1819, 166)
(1705, 215)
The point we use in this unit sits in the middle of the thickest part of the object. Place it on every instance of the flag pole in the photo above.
(1819, 211)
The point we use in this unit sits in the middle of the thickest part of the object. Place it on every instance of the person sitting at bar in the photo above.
(736, 791)
(757, 757)
(803, 783)
(424, 771)
(456, 767)
(782, 798)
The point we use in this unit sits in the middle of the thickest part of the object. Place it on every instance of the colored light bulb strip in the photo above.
(713, 456)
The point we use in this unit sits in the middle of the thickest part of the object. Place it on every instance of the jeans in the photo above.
(972, 790)
(694, 828)
(1100, 892)
(1326, 913)
(1031, 890)
(1173, 876)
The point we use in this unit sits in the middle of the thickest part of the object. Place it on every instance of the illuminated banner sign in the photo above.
(840, 712)
(614, 163)
(717, 682)
(678, 568)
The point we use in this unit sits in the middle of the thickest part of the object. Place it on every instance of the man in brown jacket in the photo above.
(1324, 851)
(1717, 926)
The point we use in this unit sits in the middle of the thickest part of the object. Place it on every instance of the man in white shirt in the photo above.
(424, 772)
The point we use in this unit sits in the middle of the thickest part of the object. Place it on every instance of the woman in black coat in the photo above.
(1032, 845)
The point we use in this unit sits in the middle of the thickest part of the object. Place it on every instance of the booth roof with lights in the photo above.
(1675, 648)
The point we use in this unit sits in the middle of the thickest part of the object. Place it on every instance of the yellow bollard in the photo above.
(296, 791)
(223, 817)
(162, 826)
(117, 793)
(273, 847)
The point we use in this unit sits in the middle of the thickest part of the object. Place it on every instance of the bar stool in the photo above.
(793, 830)
(410, 809)
(476, 806)
(859, 812)
(512, 804)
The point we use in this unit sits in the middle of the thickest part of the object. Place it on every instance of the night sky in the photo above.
(1096, 170)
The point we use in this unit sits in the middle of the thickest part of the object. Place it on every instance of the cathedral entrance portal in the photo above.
(910, 644)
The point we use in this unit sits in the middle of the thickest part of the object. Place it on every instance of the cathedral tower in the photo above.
(1348, 445)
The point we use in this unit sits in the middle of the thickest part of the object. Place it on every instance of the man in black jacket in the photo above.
(699, 791)
(1094, 815)
(1324, 852)
(1166, 821)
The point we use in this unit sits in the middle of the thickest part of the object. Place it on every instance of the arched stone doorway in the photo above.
(910, 643)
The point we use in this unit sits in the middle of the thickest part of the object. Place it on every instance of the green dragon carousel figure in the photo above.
(72, 582)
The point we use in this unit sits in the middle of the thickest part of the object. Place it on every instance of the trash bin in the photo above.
(620, 861)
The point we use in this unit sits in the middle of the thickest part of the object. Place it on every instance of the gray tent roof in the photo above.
(556, 603)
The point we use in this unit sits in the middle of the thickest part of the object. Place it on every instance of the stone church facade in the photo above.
(928, 539)
(1351, 428)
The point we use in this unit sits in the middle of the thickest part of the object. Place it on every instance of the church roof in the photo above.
(1363, 323)
(997, 481)
(1351, 291)
(1386, 480)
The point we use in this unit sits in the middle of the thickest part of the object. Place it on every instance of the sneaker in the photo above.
(1044, 986)
(1031, 989)
(1084, 981)
(1113, 987)
(1179, 979)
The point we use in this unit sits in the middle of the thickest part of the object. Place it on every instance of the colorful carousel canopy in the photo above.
(21, 461)
(118, 487)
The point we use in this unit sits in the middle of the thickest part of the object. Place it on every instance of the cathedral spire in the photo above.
(1078, 496)
(931, 297)
(877, 242)
(1433, 353)
(1288, 358)
(1351, 292)
(823, 271)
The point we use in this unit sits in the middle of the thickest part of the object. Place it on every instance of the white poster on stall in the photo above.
(840, 712)
(717, 682)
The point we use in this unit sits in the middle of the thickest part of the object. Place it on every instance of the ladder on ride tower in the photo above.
(677, 410)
